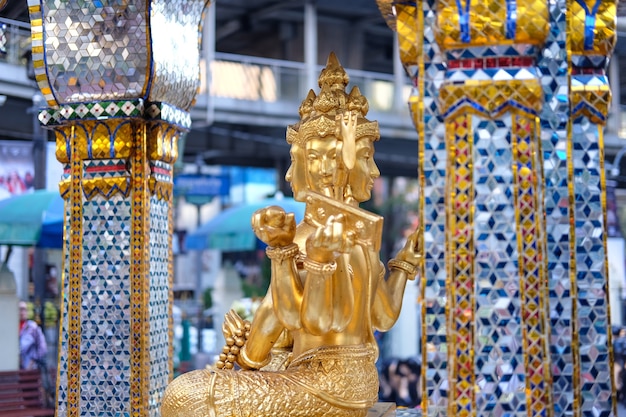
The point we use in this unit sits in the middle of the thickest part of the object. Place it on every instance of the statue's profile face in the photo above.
(296, 174)
(361, 177)
(321, 164)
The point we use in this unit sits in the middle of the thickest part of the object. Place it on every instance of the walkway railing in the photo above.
(18, 41)
(241, 83)
(270, 80)
(242, 77)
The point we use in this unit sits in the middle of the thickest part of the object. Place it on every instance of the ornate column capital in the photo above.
(110, 51)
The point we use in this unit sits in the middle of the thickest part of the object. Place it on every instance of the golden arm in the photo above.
(389, 293)
(328, 299)
(264, 332)
(286, 289)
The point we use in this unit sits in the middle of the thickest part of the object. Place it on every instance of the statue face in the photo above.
(361, 177)
(321, 164)
(296, 174)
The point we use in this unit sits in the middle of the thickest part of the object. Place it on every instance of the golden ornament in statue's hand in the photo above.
(273, 226)
(236, 331)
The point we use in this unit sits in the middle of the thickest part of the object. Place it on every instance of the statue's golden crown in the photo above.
(318, 113)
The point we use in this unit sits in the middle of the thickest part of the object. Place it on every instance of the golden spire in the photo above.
(318, 112)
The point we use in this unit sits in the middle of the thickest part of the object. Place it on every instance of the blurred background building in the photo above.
(260, 58)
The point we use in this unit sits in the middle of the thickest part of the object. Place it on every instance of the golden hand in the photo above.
(273, 226)
(328, 240)
(409, 257)
(347, 132)
(411, 252)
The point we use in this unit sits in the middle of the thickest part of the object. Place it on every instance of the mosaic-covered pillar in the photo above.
(3, 35)
(425, 64)
(505, 329)
(554, 123)
(119, 79)
(590, 39)
(3, 39)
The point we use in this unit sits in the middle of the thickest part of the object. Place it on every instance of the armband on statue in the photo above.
(408, 268)
(281, 253)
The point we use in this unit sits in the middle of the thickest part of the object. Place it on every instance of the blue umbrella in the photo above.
(32, 219)
(231, 230)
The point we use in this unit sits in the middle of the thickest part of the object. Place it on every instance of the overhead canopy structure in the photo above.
(32, 219)
(231, 231)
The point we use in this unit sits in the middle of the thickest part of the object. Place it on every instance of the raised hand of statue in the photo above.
(273, 226)
(346, 130)
(329, 240)
(410, 256)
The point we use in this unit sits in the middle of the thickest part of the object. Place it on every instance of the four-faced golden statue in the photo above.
(310, 349)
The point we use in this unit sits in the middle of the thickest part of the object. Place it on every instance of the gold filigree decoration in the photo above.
(485, 23)
(95, 137)
(64, 188)
(492, 98)
(163, 142)
(106, 187)
(161, 189)
(604, 30)
(63, 149)
(592, 101)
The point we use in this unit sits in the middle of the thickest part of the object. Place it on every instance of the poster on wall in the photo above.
(54, 169)
(16, 168)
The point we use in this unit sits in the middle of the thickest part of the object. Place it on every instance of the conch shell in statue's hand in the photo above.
(274, 226)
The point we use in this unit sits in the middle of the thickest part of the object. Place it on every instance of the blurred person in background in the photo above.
(33, 351)
(619, 364)
(400, 382)
(15, 183)
(33, 347)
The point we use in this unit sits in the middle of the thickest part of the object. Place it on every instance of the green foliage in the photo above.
(51, 313)
(258, 290)
(398, 211)
(207, 298)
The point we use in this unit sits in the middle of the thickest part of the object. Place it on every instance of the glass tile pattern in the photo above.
(112, 50)
(435, 157)
(554, 145)
(3, 39)
(96, 50)
(158, 306)
(175, 51)
(105, 312)
(551, 270)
